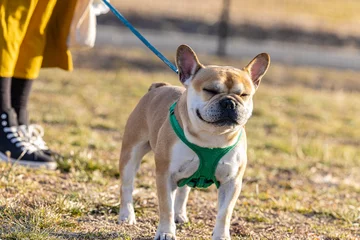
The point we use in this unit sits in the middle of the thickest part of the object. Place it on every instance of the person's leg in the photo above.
(14, 21)
(5, 96)
(20, 92)
(28, 67)
(30, 58)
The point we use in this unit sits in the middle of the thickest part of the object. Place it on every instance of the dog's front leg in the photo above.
(227, 195)
(166, 189)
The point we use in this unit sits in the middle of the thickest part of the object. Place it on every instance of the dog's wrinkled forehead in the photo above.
(228, 78)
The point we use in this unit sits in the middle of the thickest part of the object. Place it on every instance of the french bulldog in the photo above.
(212, 108)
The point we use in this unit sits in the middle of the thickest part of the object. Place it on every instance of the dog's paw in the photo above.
(165, 236)
(127, 220)
(166, 231)
(181, 218)
(127, 216)
(223, 237)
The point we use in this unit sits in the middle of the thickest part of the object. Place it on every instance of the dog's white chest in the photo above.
(184, 163)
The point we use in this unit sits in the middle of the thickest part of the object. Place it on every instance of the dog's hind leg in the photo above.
(181, 198)
(130, 158)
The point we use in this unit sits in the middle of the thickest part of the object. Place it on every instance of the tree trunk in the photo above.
(223, 30)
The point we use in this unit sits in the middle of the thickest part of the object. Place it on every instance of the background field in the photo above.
(322, 15)
(302, 181)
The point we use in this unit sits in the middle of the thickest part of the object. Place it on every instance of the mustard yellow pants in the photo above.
(22, 36)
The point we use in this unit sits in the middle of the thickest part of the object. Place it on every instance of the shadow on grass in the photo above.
(91, 235)
(245, 30)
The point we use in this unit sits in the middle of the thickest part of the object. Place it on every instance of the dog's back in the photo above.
(154, 106)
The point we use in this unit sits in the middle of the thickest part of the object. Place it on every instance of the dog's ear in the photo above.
(258, 67)
(187, 63)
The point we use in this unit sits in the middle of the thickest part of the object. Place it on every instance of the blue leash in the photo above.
(141, 37)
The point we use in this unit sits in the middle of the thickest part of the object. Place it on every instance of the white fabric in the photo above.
(99, 7)
(83, 26)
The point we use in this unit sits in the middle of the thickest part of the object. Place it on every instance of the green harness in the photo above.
(208, 157)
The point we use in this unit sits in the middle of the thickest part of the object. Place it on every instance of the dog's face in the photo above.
(219, 98)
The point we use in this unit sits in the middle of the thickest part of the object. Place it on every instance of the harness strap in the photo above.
(208, 157)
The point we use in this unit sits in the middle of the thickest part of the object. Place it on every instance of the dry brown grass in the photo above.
(302, 181)
(336, 16)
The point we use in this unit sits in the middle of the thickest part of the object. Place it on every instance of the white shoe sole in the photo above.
(26, 163)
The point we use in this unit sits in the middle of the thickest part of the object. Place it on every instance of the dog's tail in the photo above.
(157, 85)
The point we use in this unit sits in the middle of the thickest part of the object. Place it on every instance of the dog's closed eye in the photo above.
(211, 91)
(244, 96)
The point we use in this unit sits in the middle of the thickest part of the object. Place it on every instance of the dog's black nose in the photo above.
(228, 103)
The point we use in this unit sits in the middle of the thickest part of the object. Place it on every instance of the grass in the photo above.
(302, 180)
(340, 17)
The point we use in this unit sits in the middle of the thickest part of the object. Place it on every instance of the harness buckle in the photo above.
(201, 182)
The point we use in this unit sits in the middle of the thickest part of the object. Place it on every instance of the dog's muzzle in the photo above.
(226, 113)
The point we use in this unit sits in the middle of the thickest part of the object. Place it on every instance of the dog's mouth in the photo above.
(226, 121)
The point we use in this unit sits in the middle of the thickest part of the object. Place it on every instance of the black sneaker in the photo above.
(34, 134)
(16, 149)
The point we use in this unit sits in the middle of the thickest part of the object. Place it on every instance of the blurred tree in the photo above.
(223, 30)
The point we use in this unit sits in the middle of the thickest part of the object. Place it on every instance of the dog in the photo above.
(211, 111)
